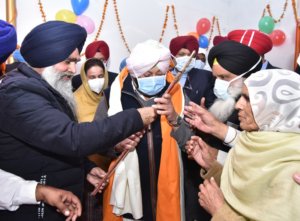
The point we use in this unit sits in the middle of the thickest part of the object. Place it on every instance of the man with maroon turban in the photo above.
(196, 84)
(99, 50)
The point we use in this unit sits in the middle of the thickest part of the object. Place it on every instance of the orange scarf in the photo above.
(168, 190)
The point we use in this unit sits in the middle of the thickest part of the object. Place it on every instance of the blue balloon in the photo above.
(203, 41)
(122, 64)
(79, 6)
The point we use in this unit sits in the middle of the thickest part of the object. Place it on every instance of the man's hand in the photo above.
(200, 151)
(200, 118)
(210, 196)
(148, 115)
(164, 106)
(95, 176)
(65, 202)
(130, 143)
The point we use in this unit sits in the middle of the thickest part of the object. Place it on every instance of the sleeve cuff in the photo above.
(26, 193)
(231, 136)
(222, 155)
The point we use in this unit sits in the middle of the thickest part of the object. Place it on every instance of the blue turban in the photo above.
(8, 40)
(52, 42)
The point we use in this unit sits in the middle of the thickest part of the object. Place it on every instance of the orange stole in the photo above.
(168, 190)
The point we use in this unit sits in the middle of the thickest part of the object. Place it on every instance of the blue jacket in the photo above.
(40, 139)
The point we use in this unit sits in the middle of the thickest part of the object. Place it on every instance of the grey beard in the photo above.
(64, 87)
(222, 109)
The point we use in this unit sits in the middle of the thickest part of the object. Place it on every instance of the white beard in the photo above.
(222, 109)
(64, 87)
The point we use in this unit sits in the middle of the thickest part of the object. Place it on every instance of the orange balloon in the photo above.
(195, 34)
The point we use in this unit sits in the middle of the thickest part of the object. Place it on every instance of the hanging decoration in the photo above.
(102, 20)
(119, 25)
(268, 10)
(215, 21)
(42, 11)
(166, 22)
(175, 20)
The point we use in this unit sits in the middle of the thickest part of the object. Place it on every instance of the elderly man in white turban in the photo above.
(147, 184)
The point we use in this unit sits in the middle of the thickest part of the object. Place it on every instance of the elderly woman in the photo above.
(256, 181)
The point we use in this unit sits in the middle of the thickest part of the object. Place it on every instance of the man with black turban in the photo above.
(231, 63)
(39, 137)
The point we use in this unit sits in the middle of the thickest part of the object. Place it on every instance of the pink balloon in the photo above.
(86, 22)
(203, 26)
(277, 37)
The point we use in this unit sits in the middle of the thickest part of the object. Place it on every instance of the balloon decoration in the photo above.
(86, 22)
(122, 64)
(277, 37)
(203, 41)
(65, 15)
(203, 26)
(195, 34)
(79, 6)
(266, 24)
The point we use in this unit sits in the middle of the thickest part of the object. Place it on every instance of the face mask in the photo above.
(96, 84)
(221, 87)
(180, 62)
(151, 85)
(199, 64)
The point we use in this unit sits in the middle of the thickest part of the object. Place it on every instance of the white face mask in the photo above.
(221, 87)
(199, 64)
(180, 62)
(96, 85)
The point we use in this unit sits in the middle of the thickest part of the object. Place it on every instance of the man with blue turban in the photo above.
(8, 42)
(39, 136)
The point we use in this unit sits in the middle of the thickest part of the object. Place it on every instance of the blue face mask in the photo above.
(199, 64)
(180, 62)
(151, 85)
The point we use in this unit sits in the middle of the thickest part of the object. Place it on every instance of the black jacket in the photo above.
(40, 139)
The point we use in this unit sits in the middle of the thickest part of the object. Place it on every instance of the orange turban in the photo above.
(97, 46)
(258, 41)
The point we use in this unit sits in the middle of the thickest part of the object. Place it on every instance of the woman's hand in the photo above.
(201, 152)
(210, 196)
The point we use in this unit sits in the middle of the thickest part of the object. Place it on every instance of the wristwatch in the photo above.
(177, 122)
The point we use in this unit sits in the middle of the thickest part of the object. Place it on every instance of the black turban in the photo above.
(235, 58)
(52, 42)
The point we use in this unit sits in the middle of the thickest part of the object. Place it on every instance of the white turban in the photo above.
(146, 55)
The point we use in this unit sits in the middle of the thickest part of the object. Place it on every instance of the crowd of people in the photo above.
(202, 143)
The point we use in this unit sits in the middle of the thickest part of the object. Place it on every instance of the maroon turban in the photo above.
(218, 39)
(97, 46)
(188, 42)
(258, 41)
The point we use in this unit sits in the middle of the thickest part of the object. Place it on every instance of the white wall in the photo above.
(142, 20)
